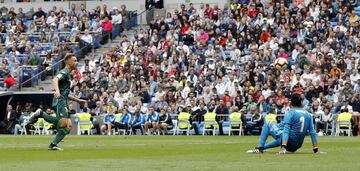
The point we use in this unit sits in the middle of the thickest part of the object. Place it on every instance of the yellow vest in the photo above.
(345, 116)
(85, 117)
(118, 117)
(232, 6)
(183, 119)
(236, 116)
(210, 117)
(270, 117)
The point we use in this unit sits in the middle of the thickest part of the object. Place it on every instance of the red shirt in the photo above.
(253, 13)
(77, 74)
(226, 99)
(264, 37)
(209, 12)
(9, 81)
(107, 26)
(283, 55)
(184, 30)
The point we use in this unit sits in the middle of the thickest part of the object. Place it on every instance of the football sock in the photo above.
(60, 135)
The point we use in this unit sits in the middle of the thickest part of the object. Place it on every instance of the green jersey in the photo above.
(64, 87)
(64, 82)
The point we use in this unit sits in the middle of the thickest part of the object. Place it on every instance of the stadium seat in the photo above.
(210, 123)
(23, 129)
(344, 126)
(183, 124)
(235, 123)
(117, 130)
(173, 130)
(41, 127)
(84, 123)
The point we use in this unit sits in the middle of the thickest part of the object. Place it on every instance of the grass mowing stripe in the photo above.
(170, 153)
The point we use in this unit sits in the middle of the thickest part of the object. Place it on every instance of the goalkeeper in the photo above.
(290, 135)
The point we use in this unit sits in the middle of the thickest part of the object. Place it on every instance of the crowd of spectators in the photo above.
(35, 38)
(220, 59)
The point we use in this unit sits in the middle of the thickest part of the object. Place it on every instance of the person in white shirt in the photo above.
(117, 18)
(87, 37)
(51, 19)
(355, 76)
(87, 41)
(220, 87)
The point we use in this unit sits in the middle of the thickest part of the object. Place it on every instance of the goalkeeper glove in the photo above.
(316, 149)
(283, 149)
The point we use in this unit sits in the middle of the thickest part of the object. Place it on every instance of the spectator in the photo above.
(86, 41)
(125, 120)
(151, 121)
(109, 121)
(107, 29)
(8, 124)
(10, 81)
(165, 122)
(24, 118)
(138, 121)
(39, 14)
(221, 110)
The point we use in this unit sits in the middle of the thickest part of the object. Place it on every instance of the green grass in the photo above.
(171, 153)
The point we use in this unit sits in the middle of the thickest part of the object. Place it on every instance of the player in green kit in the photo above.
(61, 84)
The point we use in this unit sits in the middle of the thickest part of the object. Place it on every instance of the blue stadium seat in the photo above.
(62, 37)
(27, 23)
(33, 38)
(333, 24)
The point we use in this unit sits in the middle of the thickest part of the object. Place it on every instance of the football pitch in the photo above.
(171, 153)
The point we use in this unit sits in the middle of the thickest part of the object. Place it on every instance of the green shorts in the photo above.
(60, 107)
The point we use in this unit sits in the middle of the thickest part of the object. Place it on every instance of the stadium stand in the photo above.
(222, 57)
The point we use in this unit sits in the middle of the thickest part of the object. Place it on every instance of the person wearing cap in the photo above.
(173, 82)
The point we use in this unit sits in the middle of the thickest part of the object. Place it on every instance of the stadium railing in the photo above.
(55, 66)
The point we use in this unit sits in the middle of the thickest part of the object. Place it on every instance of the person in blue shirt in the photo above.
(290, 134)
(125, 120)
(24, 118)
(151, 121)
(109, 120)
(137, 121)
